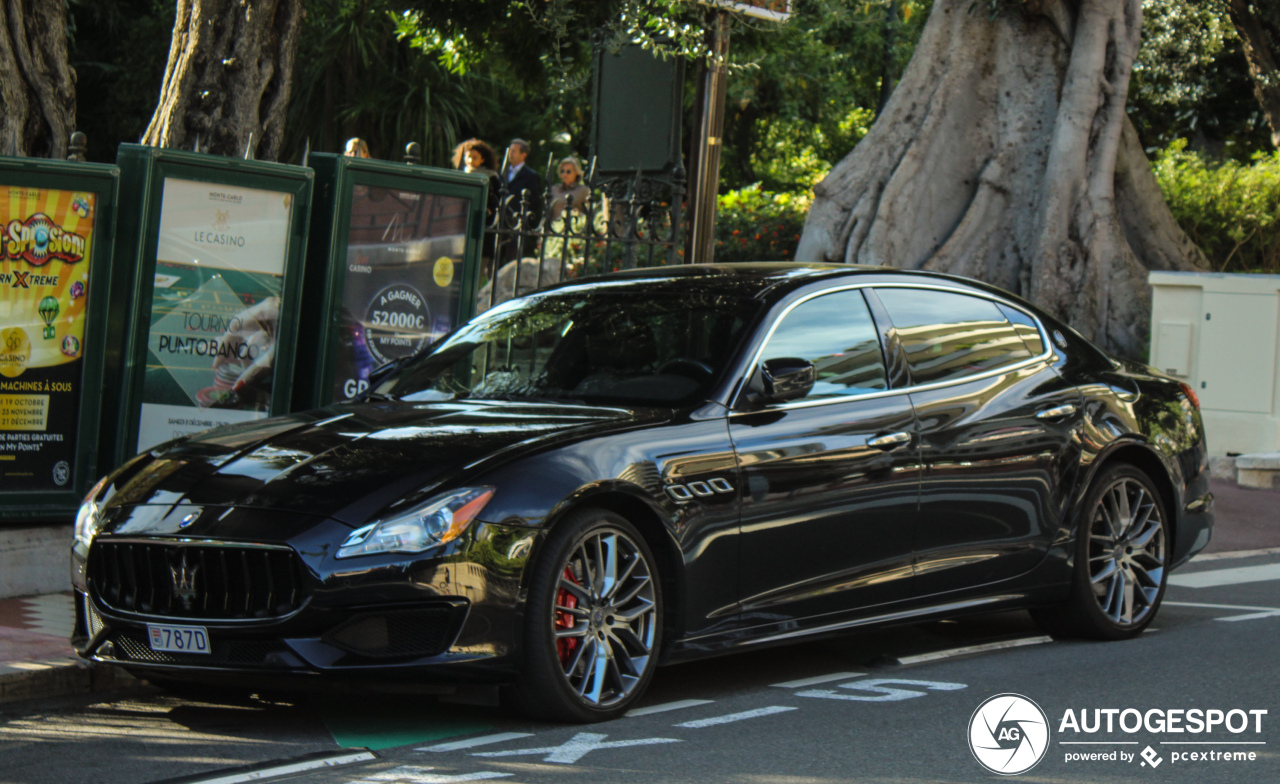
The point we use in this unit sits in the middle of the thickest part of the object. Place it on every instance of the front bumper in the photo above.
(448, 617)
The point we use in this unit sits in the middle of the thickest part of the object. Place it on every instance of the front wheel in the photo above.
(1122, 560)
(594, 621)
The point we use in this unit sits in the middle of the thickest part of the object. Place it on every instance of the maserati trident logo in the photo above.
(1008, 734)
(184, 580)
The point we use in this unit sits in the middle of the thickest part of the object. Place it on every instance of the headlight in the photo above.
(440, 520)
(89, 517)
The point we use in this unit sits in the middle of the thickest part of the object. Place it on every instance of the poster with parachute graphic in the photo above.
(45, 241)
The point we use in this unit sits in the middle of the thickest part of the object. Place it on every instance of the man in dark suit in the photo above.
(522, 206)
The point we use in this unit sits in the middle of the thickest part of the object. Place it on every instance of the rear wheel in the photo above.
(594, 622)
(1122, 560)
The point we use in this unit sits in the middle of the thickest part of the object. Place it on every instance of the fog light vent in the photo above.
(92, 619)
(416, 633)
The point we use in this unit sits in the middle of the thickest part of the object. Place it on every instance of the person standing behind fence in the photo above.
(477, 157)
(571, 192)
(524, 185)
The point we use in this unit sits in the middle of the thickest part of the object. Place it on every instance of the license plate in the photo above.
(178, 639)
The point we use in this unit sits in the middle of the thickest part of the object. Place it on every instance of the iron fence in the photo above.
(624, 222)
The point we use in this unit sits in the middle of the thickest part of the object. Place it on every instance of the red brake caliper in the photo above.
(565, 646)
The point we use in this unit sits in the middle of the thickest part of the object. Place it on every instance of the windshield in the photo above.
(592, 344)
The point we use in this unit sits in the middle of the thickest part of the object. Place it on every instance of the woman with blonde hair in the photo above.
(571, 191)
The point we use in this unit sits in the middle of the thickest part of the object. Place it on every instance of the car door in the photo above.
(997, 427)
(829, 481)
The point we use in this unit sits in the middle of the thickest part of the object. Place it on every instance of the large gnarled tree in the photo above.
(1005, 154)
(37, 89)
(228, 77)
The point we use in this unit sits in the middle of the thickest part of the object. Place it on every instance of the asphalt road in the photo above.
(882, 706)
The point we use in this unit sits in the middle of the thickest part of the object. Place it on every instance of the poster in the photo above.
(402, 284)
(215, 308)
(45, 238)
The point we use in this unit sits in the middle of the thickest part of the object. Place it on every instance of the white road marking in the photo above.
(1097, 743)
(1236, 554)
(473, 742)
(800, 684)
(732, 717)
(285, 770)
(1258, 612)
(576, 748)
(968, 649)
(414, 774)
(1219, 606)
(667, 706)
(879, 687)
(1217, 577)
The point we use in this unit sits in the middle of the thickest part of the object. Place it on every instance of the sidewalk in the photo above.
(37, 661)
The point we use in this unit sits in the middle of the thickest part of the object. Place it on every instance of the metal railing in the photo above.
(623, 223)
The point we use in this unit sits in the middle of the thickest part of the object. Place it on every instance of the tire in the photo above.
(593, 625)
(1121, 564)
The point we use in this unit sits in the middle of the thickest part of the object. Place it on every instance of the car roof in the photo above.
(762, 279)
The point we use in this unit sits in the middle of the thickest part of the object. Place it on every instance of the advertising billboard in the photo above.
(215, 309)
(402, 283)
(45, 241)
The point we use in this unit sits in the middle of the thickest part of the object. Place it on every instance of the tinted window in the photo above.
(948, 336)
(1026, 328)
(834, 332)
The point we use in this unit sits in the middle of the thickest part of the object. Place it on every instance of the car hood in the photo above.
(350, 461)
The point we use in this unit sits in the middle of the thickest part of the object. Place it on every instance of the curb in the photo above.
(59, 678)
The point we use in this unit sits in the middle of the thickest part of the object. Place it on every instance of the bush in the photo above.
(755, 225)
(1230, 209)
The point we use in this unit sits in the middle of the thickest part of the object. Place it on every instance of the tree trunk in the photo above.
(37, 86)
(228, 77)
(1260, 51)
(1005, 155)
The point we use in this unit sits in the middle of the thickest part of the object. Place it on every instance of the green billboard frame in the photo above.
(103, 181)
(337, 177)
(143, 172)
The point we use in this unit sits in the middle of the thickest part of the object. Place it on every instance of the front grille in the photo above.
(243, 653)
(206, 581)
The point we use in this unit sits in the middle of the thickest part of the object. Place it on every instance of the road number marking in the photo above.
(883, 692)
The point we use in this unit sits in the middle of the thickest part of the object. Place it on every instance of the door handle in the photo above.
(1057, 412)
(891, 441)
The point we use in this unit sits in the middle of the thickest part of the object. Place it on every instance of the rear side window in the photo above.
(947, 336)
(834, 332)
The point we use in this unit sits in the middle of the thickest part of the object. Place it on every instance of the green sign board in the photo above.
(392, 266)
(216, 246)
(57, 225)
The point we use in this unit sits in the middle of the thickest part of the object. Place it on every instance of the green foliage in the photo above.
(753, 224)
(1189, 80)
(1230, 209)
(358, 76)
(815, 88)
(118, 49)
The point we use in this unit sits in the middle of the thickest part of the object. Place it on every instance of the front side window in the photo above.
(834, 332)
(948, 335)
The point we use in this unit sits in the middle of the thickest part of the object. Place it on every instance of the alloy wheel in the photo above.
(605, 617)
(1126, 552)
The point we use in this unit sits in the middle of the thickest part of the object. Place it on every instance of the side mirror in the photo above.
(787, 378)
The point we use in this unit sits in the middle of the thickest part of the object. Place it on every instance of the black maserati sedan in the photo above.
(648, 467)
